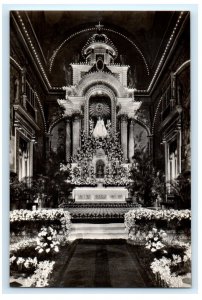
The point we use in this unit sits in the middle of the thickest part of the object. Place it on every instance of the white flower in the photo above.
(153, 250)
(12, 259)
(56, 249)
(40, 277)
(40, 250)
(159, 245)
(48, 250)
(20, 260)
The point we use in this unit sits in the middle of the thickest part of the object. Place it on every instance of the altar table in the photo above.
(100, 194)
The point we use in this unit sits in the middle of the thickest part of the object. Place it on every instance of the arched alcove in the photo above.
(100, 94)
(100, 107)
(100, 168)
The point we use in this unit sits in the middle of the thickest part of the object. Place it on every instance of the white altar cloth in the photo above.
(100, 194)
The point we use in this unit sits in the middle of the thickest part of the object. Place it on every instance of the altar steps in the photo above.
(98, 231)
(99, 213)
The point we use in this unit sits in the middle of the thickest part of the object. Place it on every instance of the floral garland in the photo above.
(43, 214)
(148, 214)
(50, 214)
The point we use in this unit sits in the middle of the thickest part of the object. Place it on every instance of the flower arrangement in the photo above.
(84, 174)
(41, 275)
(32, 253)
(44, 214)
(46, 241)
(23, 216)
(140, 221)
(174, 262)
(22, 244)
(154, 240)
(142, 214)
(164, 268)
(26, 264)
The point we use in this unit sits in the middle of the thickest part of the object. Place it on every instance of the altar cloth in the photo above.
(100, 194)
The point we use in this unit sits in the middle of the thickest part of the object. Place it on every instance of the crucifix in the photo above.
(99, 26)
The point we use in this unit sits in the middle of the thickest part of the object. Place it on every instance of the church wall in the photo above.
(15, 75)
(171, 107)
(183, 83)
(26, 121)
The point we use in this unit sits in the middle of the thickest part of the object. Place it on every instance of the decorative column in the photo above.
(76, 134)
(131, 140)
(31, 157)
(68, 139)
(179, 148)
(124, 136)
(167, 166)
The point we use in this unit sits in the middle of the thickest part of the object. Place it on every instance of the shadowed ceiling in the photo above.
(148, 31)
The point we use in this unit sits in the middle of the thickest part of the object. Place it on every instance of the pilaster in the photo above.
(68, 139)
(124, 136)
(131, 140)
(76, 133)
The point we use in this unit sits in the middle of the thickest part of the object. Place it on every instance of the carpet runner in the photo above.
(101, 264)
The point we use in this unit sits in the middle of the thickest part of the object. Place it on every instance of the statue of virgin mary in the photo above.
(100, 130)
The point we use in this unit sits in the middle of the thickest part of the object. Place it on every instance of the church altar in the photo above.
(100, 194)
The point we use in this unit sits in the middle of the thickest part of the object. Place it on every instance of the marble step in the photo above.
(98, 231)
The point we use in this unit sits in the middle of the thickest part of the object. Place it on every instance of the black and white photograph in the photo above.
(100, 149)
